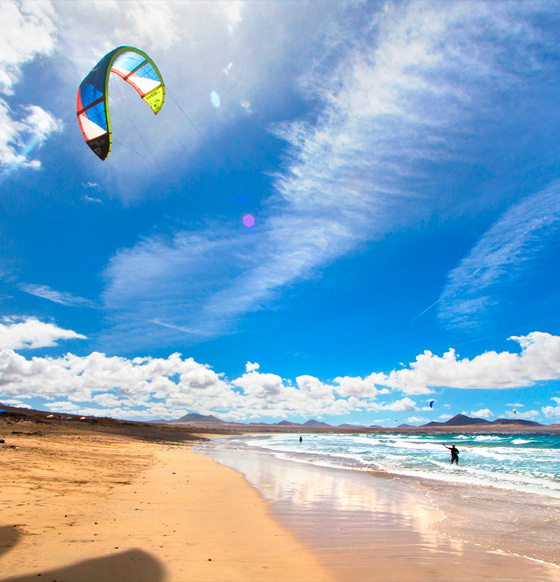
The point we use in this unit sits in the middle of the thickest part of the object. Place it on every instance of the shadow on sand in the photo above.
(129, 566)
(9, 537)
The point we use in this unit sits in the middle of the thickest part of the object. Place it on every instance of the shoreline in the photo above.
(129, 503)
(376, 527)
(84, 506)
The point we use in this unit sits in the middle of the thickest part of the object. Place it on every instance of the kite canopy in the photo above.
(137, 69)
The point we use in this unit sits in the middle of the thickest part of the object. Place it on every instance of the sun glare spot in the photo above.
(215, 99)
(249, 221)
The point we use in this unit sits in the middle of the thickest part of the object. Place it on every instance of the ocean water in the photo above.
(525, 463)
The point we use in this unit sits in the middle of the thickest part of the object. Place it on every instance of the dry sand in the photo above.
(126, 502)
(83, 505)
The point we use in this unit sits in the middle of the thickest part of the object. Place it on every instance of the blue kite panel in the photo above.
(148, 72)
(98, 115)
(89, 94)
(129, 61)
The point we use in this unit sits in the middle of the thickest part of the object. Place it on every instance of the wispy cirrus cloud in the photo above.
(502, 255)
(405, 97)
(62, 297)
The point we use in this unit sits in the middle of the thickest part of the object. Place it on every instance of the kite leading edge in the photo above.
(137, 69)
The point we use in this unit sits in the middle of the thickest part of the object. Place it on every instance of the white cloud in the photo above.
(416, 420)
(87, 198)
(20, 333)
(404, 404)
(150, 24)
(527, 415)
(28, 30)
(61, 297)
(538, 361)
(247, 106)
(402, 97)
(355, 386)
(19, 138)
(502, 255)
(146, 387)
(552, 412)
(482, 413)
(18, 403)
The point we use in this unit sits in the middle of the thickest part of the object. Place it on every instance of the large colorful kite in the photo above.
(137, 69)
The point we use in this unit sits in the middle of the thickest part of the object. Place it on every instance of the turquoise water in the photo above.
(523, 463)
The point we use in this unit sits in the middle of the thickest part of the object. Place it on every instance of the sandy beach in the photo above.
(80, 505)
(86, 503)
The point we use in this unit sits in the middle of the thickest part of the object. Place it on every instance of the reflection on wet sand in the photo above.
(371, 528)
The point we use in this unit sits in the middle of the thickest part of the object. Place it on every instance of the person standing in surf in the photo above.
(454, 454)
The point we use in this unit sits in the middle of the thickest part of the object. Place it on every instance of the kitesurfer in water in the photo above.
(454, 454)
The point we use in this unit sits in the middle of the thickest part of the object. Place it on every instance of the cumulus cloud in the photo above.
(360, 387)
(527, 415)
(552, 411)
(482, 413)
(28, 332)
(538, 361)
(416, 420)
(145, 387)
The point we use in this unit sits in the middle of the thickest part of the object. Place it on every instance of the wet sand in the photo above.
(85, 506)
(368, 528)
(131, 503)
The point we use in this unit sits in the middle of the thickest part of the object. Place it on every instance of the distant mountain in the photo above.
(350, 426)
(516, 421)
(407, 425)
(287, 423)
(459, 420)
(462, 420)
(193, 417)
(375, 426)
(313, 422)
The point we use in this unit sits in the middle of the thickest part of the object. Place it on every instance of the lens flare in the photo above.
(214, 99)
(249, 221)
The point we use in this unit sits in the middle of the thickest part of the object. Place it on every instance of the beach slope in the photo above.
(83, 505)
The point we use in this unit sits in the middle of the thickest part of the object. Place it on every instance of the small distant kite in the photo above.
(432, 403)
(515, 411)
(137, 69)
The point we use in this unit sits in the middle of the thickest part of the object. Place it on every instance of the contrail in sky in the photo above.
(427, 309)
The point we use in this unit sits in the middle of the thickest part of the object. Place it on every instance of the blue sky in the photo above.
(399, 160)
